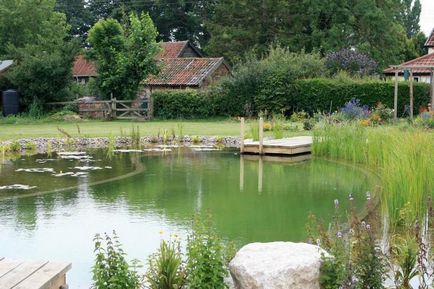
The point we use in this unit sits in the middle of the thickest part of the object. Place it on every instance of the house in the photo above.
(5, 64)
(182, 73)
(183, 67)
(421, 67)
(83, 69)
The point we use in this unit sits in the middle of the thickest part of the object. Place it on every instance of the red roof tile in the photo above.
(185, 71)
(430, 40)
(426, 60)
(83, 67)
(172, 49)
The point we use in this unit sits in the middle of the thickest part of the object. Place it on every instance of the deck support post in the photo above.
(395, 99)
(261, 135)
(242, 133)
(411, 94)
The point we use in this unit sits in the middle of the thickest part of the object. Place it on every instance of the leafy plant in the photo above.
(166, 268)
(206, 265)
(111, 269)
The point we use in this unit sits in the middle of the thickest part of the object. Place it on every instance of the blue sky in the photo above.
(427, 16)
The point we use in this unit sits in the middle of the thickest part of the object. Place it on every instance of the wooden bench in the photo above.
(32, 274)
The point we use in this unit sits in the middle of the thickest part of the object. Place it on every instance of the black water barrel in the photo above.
(11, 102)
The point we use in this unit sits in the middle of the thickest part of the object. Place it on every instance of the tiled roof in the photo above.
(185, 71)
(172, 49)
(430, 40)
(83, 67)
(426, 60)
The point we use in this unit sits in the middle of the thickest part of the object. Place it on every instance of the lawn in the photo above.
(94, 128)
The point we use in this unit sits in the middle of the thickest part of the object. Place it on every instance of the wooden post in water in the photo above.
(395, 99)
(411, 94)
(242, 132)
(261, 135)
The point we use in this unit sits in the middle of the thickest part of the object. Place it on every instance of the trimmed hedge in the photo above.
(173, 104)
(310, 95)
(321, 94)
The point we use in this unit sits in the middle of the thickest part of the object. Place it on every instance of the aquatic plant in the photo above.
(278, 123)
(254, 130)
(180, 129)
(195, 139)
(135, 137)
(166, 267)
(401, 158)
(111, 269)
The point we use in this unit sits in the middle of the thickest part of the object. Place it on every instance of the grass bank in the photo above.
(403, 158)
(94, 128)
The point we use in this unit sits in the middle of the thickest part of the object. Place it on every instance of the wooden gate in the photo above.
(112, 109)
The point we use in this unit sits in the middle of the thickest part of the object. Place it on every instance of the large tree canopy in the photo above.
(125, 55)
(35, 37)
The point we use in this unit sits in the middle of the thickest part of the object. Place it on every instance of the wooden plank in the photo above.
(261, 135)
(7, 265)
(45, 277)
(20, 273)
(242, 135)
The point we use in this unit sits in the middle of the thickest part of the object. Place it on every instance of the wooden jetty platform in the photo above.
(286, 146)
(32, 274)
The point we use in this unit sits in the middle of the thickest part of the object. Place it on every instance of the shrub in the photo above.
(353, 110)
(206, 265)
(166, 268)
(111, 270)
(182, 104)
(353, 62)
(264, 84)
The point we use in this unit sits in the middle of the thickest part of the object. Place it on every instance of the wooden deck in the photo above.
(286, 146)
(32, 274)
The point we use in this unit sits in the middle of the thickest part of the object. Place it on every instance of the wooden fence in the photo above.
(112, 109)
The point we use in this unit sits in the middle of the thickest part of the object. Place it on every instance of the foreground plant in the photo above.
(206, 265)
(166, 268)
(111, 269)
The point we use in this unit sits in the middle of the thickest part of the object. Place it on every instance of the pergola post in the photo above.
(432, 90)
(395, 99)
(411, 94)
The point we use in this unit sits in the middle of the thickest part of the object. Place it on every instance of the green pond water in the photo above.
(141, 195)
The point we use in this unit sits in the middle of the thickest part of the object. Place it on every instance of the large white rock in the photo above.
(277, 265)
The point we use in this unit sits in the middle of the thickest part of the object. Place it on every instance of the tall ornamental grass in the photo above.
(403, 159)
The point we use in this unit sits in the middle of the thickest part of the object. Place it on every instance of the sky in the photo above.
(427, 16)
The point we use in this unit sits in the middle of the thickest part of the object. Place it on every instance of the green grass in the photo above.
(403, 158)
(25, 128)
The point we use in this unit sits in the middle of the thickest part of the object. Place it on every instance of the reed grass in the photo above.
(403, 159)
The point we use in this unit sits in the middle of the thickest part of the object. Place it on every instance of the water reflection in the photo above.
(251, 199)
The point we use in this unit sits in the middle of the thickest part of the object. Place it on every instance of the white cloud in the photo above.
(427, 16)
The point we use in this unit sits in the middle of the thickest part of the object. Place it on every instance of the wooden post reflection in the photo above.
(260, 174)
(241, 173)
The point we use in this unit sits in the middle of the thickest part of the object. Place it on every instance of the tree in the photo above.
(409, 16)
(125, 56)
(35, 36)
(77, 15)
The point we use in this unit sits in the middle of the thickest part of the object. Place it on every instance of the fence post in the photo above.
(113, 106)
(411, 94)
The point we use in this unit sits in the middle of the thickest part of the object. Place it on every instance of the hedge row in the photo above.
(310, 95)
(173, 104)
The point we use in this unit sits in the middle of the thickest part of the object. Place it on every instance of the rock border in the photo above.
(45, 145)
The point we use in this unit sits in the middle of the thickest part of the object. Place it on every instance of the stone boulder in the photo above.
(277, 265)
